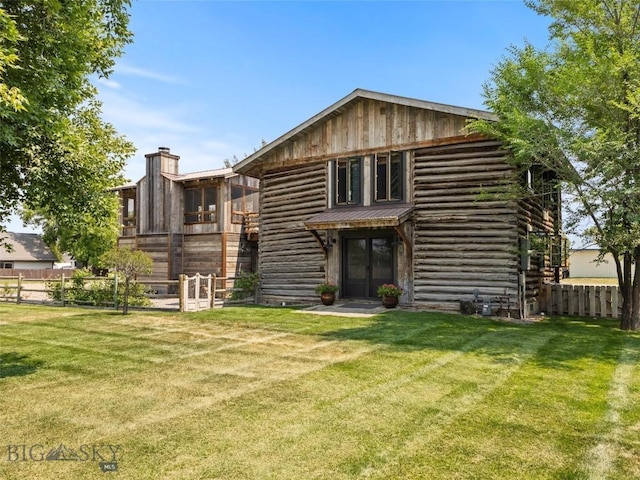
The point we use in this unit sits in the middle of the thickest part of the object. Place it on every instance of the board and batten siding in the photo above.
(364, 127)
(291, 262)
(466, 233)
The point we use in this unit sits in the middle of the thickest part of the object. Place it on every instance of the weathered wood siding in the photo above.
(466, 233)
(203, 254)
(366, 126)
(291, 263)
(165, 251)
(239, 255)
(157, 246)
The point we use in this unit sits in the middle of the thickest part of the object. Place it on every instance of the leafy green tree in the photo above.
(130, 263)
(57, 157)
(574, 107)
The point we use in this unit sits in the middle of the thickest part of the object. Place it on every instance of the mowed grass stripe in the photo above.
(380, 423)
(351, 431)
(271, 393)
(601, 458)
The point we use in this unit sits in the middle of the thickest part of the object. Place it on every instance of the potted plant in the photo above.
(327, 292)
(389, 293)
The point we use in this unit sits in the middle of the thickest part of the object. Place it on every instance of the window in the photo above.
(6, 264)
(200, 205)
(348, 181)
(244, 199)
(388, 171)
(129, 209)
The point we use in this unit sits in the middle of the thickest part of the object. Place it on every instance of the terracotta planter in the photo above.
(389, 302)
(327, 298)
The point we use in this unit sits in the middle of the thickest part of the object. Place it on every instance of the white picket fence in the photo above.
(582, 300)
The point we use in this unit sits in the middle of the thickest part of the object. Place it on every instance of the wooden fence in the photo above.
(163, 294)
(187, 294)
(36, 273)
(582, 300)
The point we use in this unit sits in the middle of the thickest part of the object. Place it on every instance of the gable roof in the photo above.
(186, 177)
(245, 165)
(27, 247)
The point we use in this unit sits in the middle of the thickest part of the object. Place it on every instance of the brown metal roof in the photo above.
(360, 217)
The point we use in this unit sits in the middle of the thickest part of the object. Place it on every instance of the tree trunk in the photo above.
(630, 291)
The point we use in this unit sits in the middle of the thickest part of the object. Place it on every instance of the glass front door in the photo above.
(367, 263)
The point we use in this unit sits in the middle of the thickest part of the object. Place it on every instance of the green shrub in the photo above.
(245, 286)
(85, 291)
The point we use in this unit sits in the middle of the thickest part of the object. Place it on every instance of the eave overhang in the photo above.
(387, 216)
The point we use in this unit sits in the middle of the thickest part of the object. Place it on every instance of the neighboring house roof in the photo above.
(124, 187)
(27, 247)
(205, 174)
(186, 177)
(244, 165)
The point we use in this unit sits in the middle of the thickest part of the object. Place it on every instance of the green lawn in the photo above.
(271, 393)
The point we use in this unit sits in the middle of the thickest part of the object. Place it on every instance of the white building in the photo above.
(583, 263)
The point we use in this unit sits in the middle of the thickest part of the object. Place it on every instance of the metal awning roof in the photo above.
(387, 216)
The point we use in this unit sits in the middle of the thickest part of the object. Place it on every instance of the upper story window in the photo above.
(6, 264)
(244, 199)
(388, 172)
(200, 204)
(129, 209)
(348, 181)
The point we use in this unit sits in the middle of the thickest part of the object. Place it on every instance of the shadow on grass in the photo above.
(13, 364)
(561, 339)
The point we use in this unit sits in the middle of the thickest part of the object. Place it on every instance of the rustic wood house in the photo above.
(379, 188)
(190, 223)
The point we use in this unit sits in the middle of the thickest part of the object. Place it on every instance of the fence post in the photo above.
(213, 291)
(19, 287)
(582, 299)
(208, 277)
(197, 293)
(603, 302)
(115, 290)
(181, 291)
(62, 288)
(570, 300)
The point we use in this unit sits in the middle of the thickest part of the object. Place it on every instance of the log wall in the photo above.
(291, 263)
(466, 233)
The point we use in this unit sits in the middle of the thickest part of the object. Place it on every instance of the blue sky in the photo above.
(212, 79)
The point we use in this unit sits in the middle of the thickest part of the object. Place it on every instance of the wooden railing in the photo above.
(163, 294)
(582, 300)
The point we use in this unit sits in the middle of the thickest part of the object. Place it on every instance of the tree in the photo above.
(575, 108)
(130, 263)
(57, 157)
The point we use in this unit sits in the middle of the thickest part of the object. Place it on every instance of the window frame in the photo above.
(128, 215)
(388, 182)
(350, 163)
(7, 265)
(201, 215)
(238, 218)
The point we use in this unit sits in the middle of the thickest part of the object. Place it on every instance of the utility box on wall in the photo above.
(525, 254)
